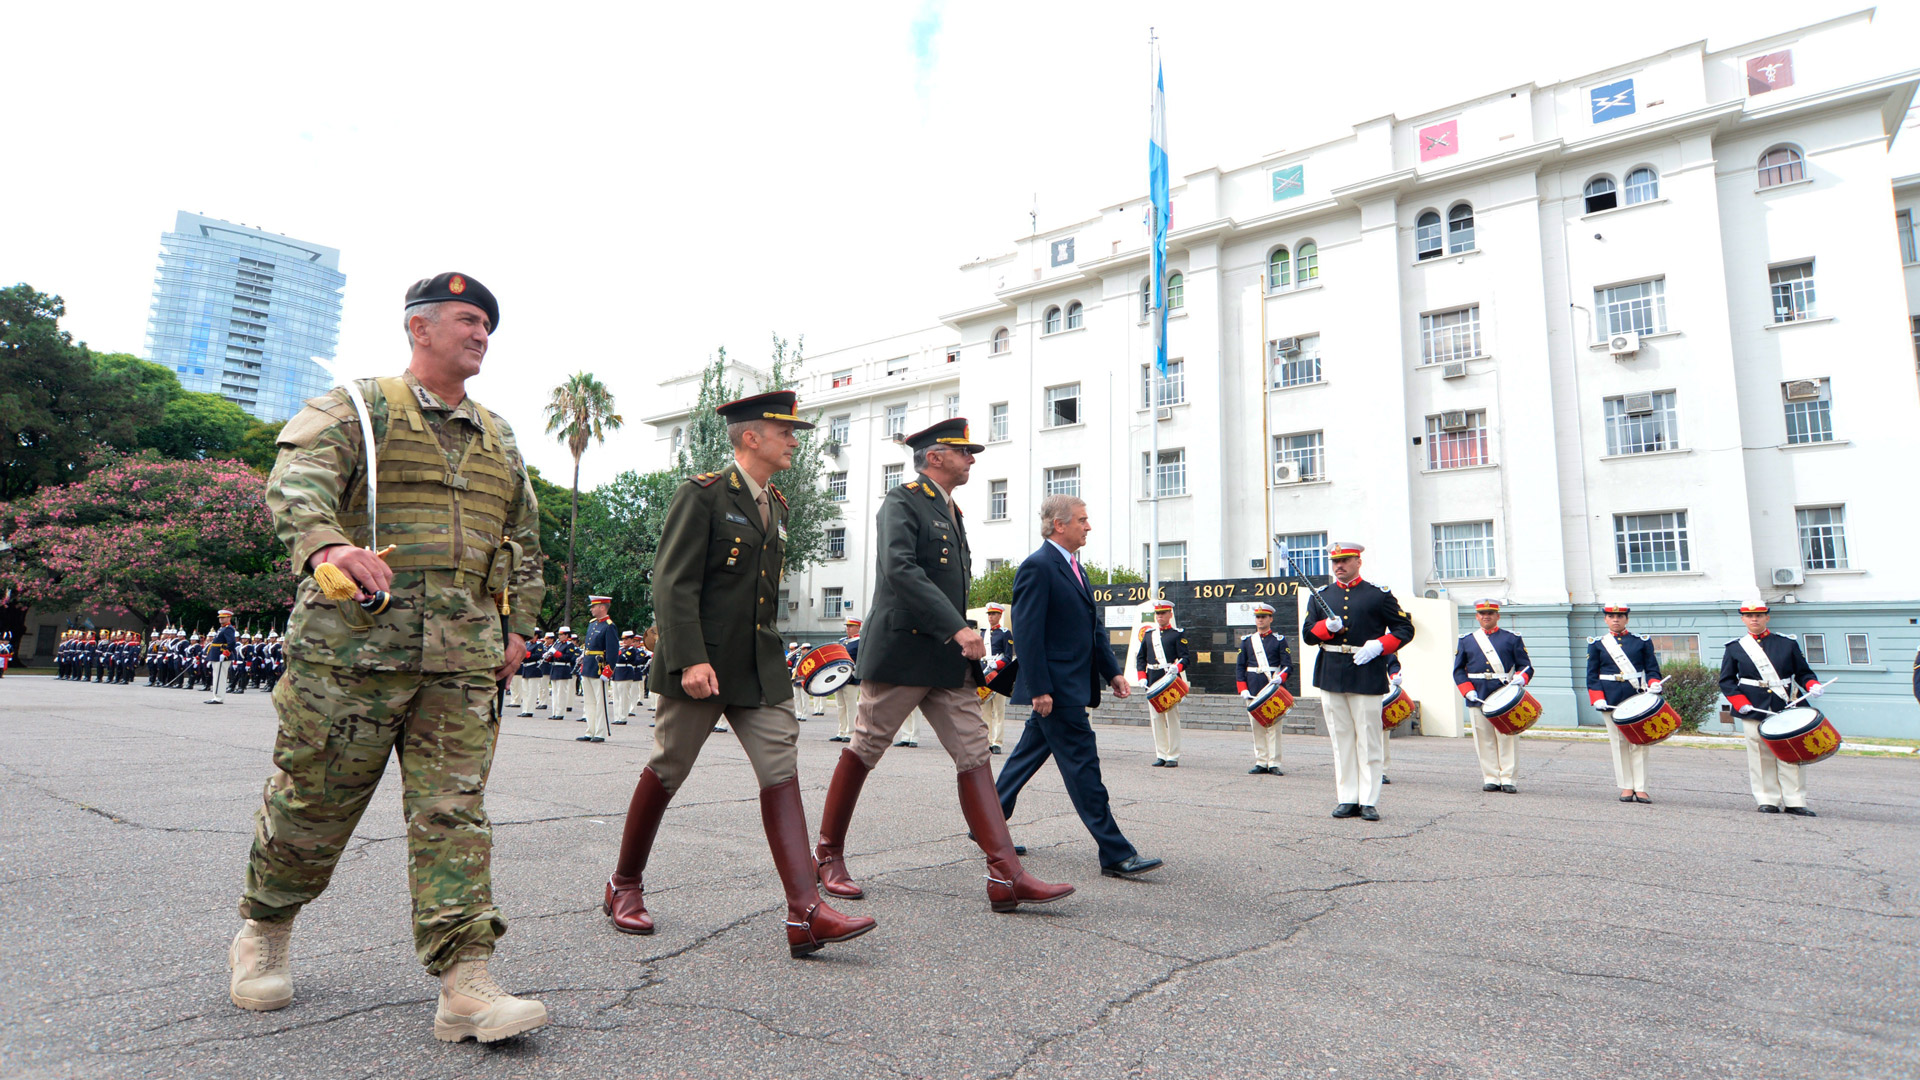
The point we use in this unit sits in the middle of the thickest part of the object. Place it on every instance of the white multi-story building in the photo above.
(1635, 337)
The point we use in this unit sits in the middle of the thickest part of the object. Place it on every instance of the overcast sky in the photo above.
(640, 186)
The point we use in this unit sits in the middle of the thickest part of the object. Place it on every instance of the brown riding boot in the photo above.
(625, 902)
(810, 922)
(1008, 883)
(848, 778)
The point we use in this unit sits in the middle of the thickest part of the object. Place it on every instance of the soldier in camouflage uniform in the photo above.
(415, 679)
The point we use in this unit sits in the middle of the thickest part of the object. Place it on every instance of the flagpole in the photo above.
(1264, 397)
(1155, 373)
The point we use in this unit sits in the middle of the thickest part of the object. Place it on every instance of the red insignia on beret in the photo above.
(456, 284)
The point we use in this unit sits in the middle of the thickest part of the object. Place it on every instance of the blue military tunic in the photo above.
(603, 641)
(1472, 673)
(1740, 677)
(1604, 679)
(1247, 673)
(1367, 612)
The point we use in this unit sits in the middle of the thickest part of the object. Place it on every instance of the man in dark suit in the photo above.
(921, 653)
(1060, 678)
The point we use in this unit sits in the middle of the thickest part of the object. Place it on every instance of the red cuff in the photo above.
(1389, 644)
(1811, 683)
(1320, 631)
(1738, 701)
(1524, 678)
(1282, 677)
(1466, 688)
(1242, 685)
(1595, 697)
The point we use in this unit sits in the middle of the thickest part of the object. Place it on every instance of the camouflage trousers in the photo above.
(338, 726)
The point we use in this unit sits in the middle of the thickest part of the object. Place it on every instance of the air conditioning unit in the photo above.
(1789, 575)
(831, 449)
(1286, 346)
(1623, 344)
(1639, 404)
(1454, 371)
(1164, 412)
(1453, 421)
(1286, 472)
(1803, 390)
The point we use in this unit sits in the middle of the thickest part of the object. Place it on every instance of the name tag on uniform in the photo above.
(783, 532)
(938, 524)
(736, 518)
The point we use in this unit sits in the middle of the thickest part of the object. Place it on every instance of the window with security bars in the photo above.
(997, 422)
(831, 603)
(1064, 480)
(1307, 451)
(1446, 336)
(1309, 551)
(1639, 308)
(1823, 537)
(1651, 543)
(1642, 423)
(1815, 646)
(1173, 390)
(840, 429)
(1857, 649)
(997, 500)
(889, 477)
(1457, 440)
(1463, 549)
(1063, 405)
(1792, 292)
(1809, 409)
(896, 420)
(1298, 366)
(1169, 477)
(837, 486)
(836, 543)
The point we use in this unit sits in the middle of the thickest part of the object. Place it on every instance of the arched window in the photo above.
(1460, 229)
(1643, 185)
(1781, 165)
(1306, 265)
(1176, 291)
(1279, 270)
(1426, 235)
(1073, 315)
(1002, 342)
(1052, 323)
(1601, 194)
(1146, 297)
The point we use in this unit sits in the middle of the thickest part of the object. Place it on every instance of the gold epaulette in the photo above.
(913, 485)
(706, 479)
(929, 491)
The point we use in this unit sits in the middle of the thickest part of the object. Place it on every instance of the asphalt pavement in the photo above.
(1552, 933)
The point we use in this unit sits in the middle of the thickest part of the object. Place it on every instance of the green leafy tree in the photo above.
(1693, 689)
(260, 446)
(810, 508)
(619, 537)
(996, 587)
(197, 426)
(706, 448)
(143, 389)
(579, 412)
(555, 535)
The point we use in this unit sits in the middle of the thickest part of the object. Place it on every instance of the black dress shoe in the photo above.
(1384, 780)
(584, 738)
(1368, 813)
(1628, 797)
(1256, 770)
(597, 738)
(1801, 811)
(1346, 809)
(1642, 798)
(1768, 808)
(1134, 865)
(1159, 762)
(1275, 770)
(904, 742)
(1173, 764)
(1509, 789)
(995, 749)
(1489, 787)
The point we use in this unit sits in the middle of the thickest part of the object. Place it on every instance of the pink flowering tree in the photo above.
(165, 541)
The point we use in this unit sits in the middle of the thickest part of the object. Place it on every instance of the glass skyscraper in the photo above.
(241, 312)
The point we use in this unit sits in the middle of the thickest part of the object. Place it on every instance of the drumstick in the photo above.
(1798, 700)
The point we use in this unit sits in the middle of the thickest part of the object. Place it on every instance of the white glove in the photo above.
(1335, 624)
(1745, 710)
(1814, 690)
(1653, 687)
(1473, 699)
(1246, 695)
(1393, 679)
(1369, 652)
(1603, 706)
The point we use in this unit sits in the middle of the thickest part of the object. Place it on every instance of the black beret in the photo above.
(451, 286)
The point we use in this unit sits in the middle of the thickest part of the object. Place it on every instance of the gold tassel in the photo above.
(334, 582)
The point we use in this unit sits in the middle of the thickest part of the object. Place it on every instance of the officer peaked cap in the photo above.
(781, 405)
(952, 433)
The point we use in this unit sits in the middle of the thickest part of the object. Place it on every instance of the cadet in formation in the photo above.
(993, 705)
(396, 653)
(1487, 660)
(1354, 623)
(847, 699)
(1620, 665)
(221, 645)
(1264, 658)
(1163, 651)
(1758, 674)
(596, 669)
(716, 582)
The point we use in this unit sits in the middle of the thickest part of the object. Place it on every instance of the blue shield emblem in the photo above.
(1612, 101)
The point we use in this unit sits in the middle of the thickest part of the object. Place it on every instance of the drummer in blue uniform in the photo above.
(562, 655)
(1757, 676)
(847, 698)
(1487, 660)
(1620, 665)
(625, 669)
(1163, 651)
(1264, 658)
(993, 708)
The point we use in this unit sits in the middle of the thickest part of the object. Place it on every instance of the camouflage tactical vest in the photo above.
(439, 516)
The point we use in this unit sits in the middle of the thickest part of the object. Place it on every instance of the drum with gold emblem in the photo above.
(1510, 709)
(1800, 735)
(1645, 719)
(1270, 704)
(1396, 707)
(824, 670)
(997, 674)
(1167, 691)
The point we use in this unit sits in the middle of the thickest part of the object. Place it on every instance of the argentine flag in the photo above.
(1157, 190)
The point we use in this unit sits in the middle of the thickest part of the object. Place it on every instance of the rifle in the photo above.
(1280, 546)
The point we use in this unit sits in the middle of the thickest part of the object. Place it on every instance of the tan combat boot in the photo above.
(261, 959)
(472, 1005)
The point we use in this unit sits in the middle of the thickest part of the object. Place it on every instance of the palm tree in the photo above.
(581, 409)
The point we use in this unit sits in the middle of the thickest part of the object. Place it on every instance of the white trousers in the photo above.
(536, 698)
(1353, 724)
(1266, 742)
(1499, 754)
(1774, 782)
(596, 692)
(516, 690)
(819, 706)
(220, 679)
(1166, 732)
(1629, 759)
(993, 709)
(560, 694)
(910, 728)
(847, 701)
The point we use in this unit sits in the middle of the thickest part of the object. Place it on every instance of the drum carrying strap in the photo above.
(1768, 674)
(1260, 661)
(1159, 647)
(1494, 666)
(1628, 672)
